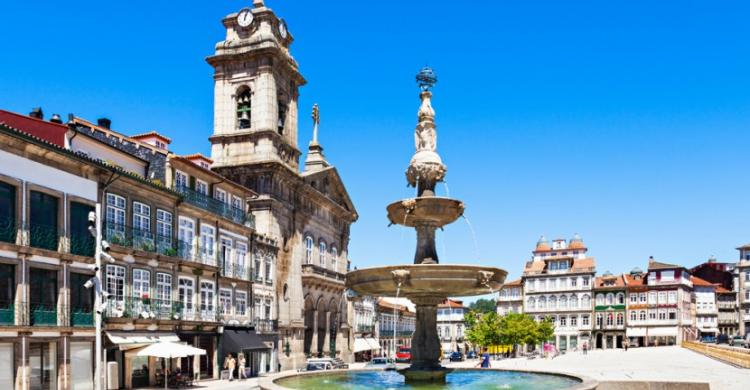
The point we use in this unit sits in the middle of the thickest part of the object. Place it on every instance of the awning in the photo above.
(374, 344)
(361, 344)
(708, 330)
(237, 340)
(652, 331)
(167, 350)
(128, 340)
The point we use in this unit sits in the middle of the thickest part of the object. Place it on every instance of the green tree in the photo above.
(483, 306)
(518, 329)
(545, 330)
(482, 329)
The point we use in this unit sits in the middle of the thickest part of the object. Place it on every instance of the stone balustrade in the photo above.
(737, 356)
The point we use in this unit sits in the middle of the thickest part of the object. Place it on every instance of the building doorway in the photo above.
(599, 341)
(619, 342)
(42, 362)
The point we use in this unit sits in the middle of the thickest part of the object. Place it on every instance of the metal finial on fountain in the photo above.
(426, 167)
(426, 78)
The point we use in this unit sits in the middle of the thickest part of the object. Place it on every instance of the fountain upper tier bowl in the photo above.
(434, 211)
(426, 280)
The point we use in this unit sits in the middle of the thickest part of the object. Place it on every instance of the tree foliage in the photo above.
(485, 329)
(483, 306)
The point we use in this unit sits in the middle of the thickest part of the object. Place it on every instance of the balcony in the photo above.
(139, 239)
(365, 328)
(7, 313)
(231, 269)
(43, 314)
(82, 244)
(399, 333)
(146, 308)
(8, 230)
(324, 277)
(44, 237)
(215, 206)
(265, 325)
(81, 317)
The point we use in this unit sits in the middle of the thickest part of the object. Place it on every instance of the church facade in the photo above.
(307, 209)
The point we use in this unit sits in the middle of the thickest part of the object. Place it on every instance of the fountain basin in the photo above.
(456, 379)
(428, 210)
(426, 280)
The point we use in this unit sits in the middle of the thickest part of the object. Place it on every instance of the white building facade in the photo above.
(557, 283)
(510, 298)
(451, 326)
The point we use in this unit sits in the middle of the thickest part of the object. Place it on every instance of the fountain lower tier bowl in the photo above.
(434, 211)
(426, 280)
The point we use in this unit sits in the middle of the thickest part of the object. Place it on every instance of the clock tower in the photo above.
(256, 83)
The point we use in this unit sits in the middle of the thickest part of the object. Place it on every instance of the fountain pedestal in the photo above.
(425, 352)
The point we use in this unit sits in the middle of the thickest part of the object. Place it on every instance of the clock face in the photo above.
(282, 29)
(245, 18)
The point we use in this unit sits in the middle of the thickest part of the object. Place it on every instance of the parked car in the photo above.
(457, 357)
(722, 339)
(708, 339)
(737, 341)
(321, 364)
(382, 363)
(471, 355)
(403, 355)
(447, 354)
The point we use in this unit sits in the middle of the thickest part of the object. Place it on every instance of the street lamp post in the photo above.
(101, 248)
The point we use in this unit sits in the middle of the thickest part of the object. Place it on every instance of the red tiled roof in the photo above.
(720, 289)
(53, 133)
(619, 281)
(451, 303)
(152, 133)
(631, 281)
(512, 283)
(197, 156)
(700, 282)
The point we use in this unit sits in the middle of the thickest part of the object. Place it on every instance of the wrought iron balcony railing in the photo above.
(265, 325)
(43, 314)
(365, 328)
(44, 236)
(149, 308)
(8, 230)
(81, 317)
(82, 244)
(215, 206)
(233, 270)
(7, 313)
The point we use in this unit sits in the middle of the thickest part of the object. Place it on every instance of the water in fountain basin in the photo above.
(473, 236)
(460, 379)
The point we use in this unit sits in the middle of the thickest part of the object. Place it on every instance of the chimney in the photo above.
(104, 122)
(37, 113)
(55, 119)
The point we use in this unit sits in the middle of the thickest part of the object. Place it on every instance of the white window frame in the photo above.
(240, 303)
(240, 254)
(208, 243)
(268, 268)
(201, 187)
(309, 243)
(207, 298)
(186, 296)
(322, 252)
(164, 221)
(115, 214)
(141, 216)
(164, 291)
(220, 195)
(115, 285)
(181, 179)
(225, 301)
(186, 234)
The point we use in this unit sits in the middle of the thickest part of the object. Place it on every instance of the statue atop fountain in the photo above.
(427, 282)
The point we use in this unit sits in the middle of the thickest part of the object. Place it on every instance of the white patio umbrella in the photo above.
(170, 350)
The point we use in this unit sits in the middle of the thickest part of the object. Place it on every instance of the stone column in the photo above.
(265, 99)
(314, 341)
(327, 335)
(426, 252)
(425, 344)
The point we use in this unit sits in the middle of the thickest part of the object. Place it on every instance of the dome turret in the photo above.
(542, 244)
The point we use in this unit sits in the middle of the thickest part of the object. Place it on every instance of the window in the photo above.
(563, 321)
(563, 302)
(267, 308)
(662, 295)
(585, 281)
(598, 320)
(115, 285)
(257, 265)
(531, 302)
(208, 240)
(573, 302)
(586, 302)
(652, 297)
(201, 187)
(115, 218)
(220, 195)
(282, 116)
(186, 233)
(573, 320)
(662, 315)
(642, 297)
(642, 315)
(240, 252)
(334, 257)
(610, 299)
(672, 314)
(225, 301)
(552, 302)
(244, 108)
(308, 250)
(164, 229)
(599, 299)
(268, 268)
(164, 292)
(672, 297)
(585, 319)
(141, 285)
(240, 303)
(322, 253)
(620, 319)
(141, 217)
(634, 298)
(652, 314)
(207, 300)
(633, 315)
(186, 290)
(573, 282)
(237, 203)
(181, 180)
(542, 303)
(225, 251)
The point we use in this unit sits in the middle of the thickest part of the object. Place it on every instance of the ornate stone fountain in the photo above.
(426, 283)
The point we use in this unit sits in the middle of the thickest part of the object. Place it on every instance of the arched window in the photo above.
(620, 298)
(598, 320)
(552, 302)
(620, 319)
(573, 302)
(244, 108)
(610, 319)
(308, 250)
(599, 299)
(322, 252)
(643, 315)
(531, 302)
(563, 302)
(542, 303)
(334, 257)
(586, 302)
(633, 316)
(610, 299)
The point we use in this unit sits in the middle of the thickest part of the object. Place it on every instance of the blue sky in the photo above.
(626, 122)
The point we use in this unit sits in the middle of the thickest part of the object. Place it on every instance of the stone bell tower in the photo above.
(255, 92)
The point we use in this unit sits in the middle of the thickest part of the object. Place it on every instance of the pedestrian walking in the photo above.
(625, 344)
(585, 348)
(485, 362)
(241, 374)
(230, 364)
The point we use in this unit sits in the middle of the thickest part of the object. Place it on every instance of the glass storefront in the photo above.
(81, 365)
(6, 366)
(139, 371)
(42, 362)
